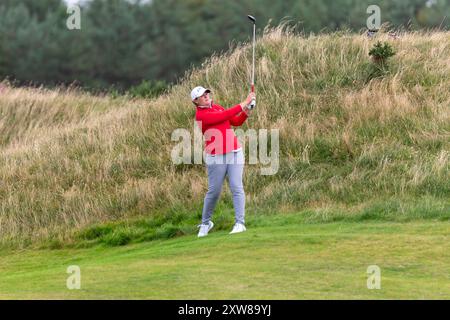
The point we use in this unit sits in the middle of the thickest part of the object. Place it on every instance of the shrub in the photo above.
(381, 52)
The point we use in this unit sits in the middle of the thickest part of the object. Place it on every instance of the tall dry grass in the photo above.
(69, 159)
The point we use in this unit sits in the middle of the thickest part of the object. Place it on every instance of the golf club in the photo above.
(253, 103)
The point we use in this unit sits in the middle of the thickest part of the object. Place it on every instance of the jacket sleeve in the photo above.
(239, 119)
(210, 118)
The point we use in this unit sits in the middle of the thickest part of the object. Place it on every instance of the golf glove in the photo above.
(252, 104)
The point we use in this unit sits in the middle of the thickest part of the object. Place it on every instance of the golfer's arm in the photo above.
(239, 119)
(209, 118)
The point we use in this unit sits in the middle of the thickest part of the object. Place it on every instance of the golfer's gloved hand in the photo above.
(245, 104)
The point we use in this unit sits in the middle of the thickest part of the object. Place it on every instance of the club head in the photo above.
(252, 18)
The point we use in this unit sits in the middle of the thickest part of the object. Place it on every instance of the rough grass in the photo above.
(71, 162)
(180, 222)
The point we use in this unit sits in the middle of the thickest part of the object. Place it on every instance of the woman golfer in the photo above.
(224, 155)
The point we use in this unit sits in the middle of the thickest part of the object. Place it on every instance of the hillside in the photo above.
(351, 147)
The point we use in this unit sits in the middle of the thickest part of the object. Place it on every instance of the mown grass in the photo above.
(279, 257)
(70, 162)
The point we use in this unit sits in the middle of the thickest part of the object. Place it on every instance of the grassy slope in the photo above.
(69, 161)
(279, 258)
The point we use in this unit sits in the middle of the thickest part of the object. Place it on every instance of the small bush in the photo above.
(381, 52)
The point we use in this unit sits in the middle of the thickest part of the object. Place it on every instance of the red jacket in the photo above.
(215, 123)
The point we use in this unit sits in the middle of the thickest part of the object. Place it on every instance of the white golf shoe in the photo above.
(204, 229)
(238, 227)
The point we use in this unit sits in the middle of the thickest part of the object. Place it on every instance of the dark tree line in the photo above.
(124, 42)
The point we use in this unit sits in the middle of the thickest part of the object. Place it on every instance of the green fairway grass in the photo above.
(279, 258)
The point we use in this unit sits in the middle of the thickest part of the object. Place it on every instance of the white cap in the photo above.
(198, 92)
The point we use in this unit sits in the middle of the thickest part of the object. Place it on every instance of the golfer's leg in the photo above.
(216, 175)
(235, 172)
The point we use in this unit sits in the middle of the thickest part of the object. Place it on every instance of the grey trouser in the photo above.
(231, 164)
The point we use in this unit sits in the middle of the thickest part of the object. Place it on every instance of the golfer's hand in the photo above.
(246, 109)
(249, 99)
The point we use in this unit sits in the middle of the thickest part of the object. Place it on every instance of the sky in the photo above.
(70, 2)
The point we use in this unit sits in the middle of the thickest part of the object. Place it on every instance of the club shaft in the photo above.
(253, 63)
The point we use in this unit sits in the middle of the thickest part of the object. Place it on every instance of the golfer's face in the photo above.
(204, 100)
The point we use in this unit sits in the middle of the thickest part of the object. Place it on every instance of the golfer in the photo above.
(224, 155)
